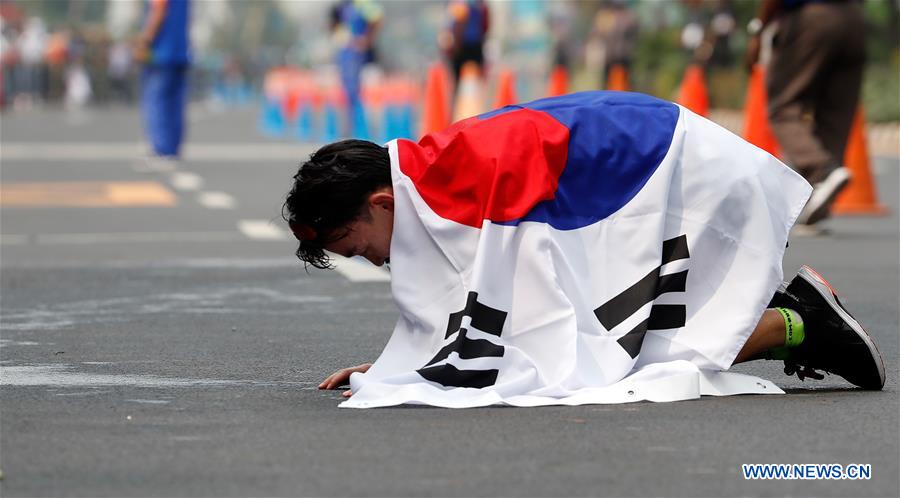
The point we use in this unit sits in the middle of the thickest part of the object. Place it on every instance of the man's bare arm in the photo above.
(768, 10)
(155, 17)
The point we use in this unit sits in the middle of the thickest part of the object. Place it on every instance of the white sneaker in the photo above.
(801, 230)
(156, 164)
(824, 193)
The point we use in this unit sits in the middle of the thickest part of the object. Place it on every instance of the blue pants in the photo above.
(350, 63)
(163, 99)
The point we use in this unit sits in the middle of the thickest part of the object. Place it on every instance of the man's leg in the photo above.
(151, 90)
(176, 105)
(791, 85)
(768, 335)
(807, 49)
(350, 62)
(838, 97)
(171, 103)
(836, 107)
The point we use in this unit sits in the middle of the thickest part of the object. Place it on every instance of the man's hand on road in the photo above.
(342, 377)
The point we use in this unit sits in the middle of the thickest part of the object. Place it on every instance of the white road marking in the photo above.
(7, 342)
(145, 237)
(35, 151)
(130, 237)
(286, 262)
(354, 269)
(189, 438)
(150, 401)
(256, 152)
(216, 200)
(187, 182)
(359, 270)
(60, 375)
(225, 302)
(92, 392)
(262, 230)
(78, 117)
(13, 239)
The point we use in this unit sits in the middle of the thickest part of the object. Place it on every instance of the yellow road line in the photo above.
(85, 194)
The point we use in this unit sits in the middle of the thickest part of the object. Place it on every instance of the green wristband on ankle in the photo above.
(793, 327)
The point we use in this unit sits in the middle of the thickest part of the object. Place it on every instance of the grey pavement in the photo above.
(166, 351)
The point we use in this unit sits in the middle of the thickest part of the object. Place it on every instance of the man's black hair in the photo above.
(330, 191)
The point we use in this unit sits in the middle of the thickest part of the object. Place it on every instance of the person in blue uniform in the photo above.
(164, 48)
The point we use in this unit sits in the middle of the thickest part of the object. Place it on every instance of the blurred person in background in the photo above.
(616, 31)
(118, 70)
(561, 19)
(463, 39)
(9, 57)
(718, 34)
(710, 47)
(78, 81)
(57, 55)
(813, 82)
(164, 48)
(694, 34)
(354, 26)
(31, 44)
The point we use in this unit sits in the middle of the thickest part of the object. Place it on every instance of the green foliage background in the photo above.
(660, 62)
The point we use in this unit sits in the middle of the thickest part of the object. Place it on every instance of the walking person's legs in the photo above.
(174, 103)
(792, 84)
(807, 51)
(152, 94)
(837, 101)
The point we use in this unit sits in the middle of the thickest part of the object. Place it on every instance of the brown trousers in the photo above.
(814, 81)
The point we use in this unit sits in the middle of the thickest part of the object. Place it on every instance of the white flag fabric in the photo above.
(600, 247)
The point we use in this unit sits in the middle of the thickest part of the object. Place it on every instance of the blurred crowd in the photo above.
(41, 65)
(76, 63)
(79, 64)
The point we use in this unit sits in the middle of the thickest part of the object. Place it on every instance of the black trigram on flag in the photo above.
(632, 299)
(485, 319)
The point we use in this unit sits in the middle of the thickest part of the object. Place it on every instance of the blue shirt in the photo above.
(473, 31)
(172, 44)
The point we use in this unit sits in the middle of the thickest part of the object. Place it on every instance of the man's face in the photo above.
(369, 236)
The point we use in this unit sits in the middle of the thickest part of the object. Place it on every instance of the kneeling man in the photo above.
(599, 247)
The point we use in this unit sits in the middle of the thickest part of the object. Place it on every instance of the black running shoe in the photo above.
(779, 299)
(835, 342)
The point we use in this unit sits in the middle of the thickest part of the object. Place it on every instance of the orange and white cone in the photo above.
(860, 196)
(470, 94)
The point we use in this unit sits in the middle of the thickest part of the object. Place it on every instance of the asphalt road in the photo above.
(159, 339)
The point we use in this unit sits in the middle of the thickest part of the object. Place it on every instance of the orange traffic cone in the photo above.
(435, 114)
(506, 89)
(756, 119)
(693, 93)
(559, 82)
(617, 78)
(469, 94)
(859, 197)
